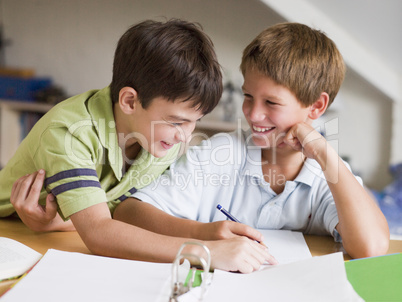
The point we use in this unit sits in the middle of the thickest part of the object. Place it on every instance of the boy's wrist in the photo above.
(322, 152)
(196, 230)
(329, 163)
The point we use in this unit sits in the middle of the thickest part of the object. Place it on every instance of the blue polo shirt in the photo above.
(226, 170)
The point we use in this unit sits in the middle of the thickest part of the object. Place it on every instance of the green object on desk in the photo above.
(377, 278)
(197, 278)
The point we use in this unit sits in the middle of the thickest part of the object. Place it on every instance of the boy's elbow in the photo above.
(95, 247)
(378, 248)
(94, 242)
(373, 248)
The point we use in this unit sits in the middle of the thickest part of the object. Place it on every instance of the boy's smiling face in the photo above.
(163, 124)
(270, 109)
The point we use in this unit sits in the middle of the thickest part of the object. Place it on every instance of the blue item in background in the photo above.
(390, 201)
(24, 89)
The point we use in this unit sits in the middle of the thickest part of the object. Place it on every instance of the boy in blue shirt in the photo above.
(280, 174)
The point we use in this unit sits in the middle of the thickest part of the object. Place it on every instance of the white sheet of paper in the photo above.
(65, 277)
(320, 278)
(286, 246)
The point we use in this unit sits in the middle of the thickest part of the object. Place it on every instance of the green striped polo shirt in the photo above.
(76, 143)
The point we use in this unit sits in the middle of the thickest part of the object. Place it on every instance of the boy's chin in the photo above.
(261, 142)
(158, 152)
(264, 144)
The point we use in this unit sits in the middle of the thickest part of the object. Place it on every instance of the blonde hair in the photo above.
(298, 57)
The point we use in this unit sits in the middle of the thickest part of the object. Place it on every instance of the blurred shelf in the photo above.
(25, 106)
(11, 125)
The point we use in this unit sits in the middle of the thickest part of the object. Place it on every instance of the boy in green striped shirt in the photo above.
(99, 147)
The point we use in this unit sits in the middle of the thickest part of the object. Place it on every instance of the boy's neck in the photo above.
(279, 166)
(130, 153)
(283, 157)
(130, 148)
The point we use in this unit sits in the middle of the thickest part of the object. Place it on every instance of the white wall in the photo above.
(73, 41)
(365, 124)
(358, 124)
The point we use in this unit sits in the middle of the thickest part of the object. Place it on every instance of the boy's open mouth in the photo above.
(262, 129)
(166, 145)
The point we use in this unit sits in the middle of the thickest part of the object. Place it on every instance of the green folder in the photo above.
(377, 278)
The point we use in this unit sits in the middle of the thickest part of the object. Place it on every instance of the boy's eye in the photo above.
(270, 102)
(248, 98)
(176, 124)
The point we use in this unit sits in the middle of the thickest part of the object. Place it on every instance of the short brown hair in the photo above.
(173, 59)
(298, 57)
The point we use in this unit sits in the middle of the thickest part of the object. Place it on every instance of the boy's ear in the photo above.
(128, 100)
(319, 107)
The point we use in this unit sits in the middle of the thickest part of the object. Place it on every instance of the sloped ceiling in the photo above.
(367, 32)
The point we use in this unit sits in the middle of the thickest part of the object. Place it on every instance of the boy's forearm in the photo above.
(362, 226)
(146, 216)
(108, 237)
(118, 239)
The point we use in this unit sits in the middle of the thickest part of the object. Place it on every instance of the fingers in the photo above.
(51, 207)
(292, 140)
(252, 251)
(300, 135)
(15, 190)
(239, 254)
(303, 137)
(36, 186)
(21, 189)
(263, 255)
(255, 256)
(245, 230)
(25, 196)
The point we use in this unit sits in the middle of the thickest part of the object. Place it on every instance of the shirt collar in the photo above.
(100, 108)
(310, 170)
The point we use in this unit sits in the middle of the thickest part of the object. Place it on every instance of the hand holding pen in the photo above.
(232, 218)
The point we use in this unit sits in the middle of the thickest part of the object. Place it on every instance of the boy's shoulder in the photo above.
(92, 108)
(93, 102)
(85, 117)
(313, 175)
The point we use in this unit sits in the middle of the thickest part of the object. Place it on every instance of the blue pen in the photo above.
(228, 215)
(231, 217)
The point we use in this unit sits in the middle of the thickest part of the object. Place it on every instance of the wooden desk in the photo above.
(65, 241)
(71, 242)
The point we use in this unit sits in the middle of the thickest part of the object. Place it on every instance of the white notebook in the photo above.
(15, 258)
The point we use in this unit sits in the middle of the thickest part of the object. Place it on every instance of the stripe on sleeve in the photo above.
(69, 174)
(75, 185)
(124, 197)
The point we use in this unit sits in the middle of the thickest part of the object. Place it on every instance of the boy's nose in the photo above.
(256, 113)
(183, 133)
